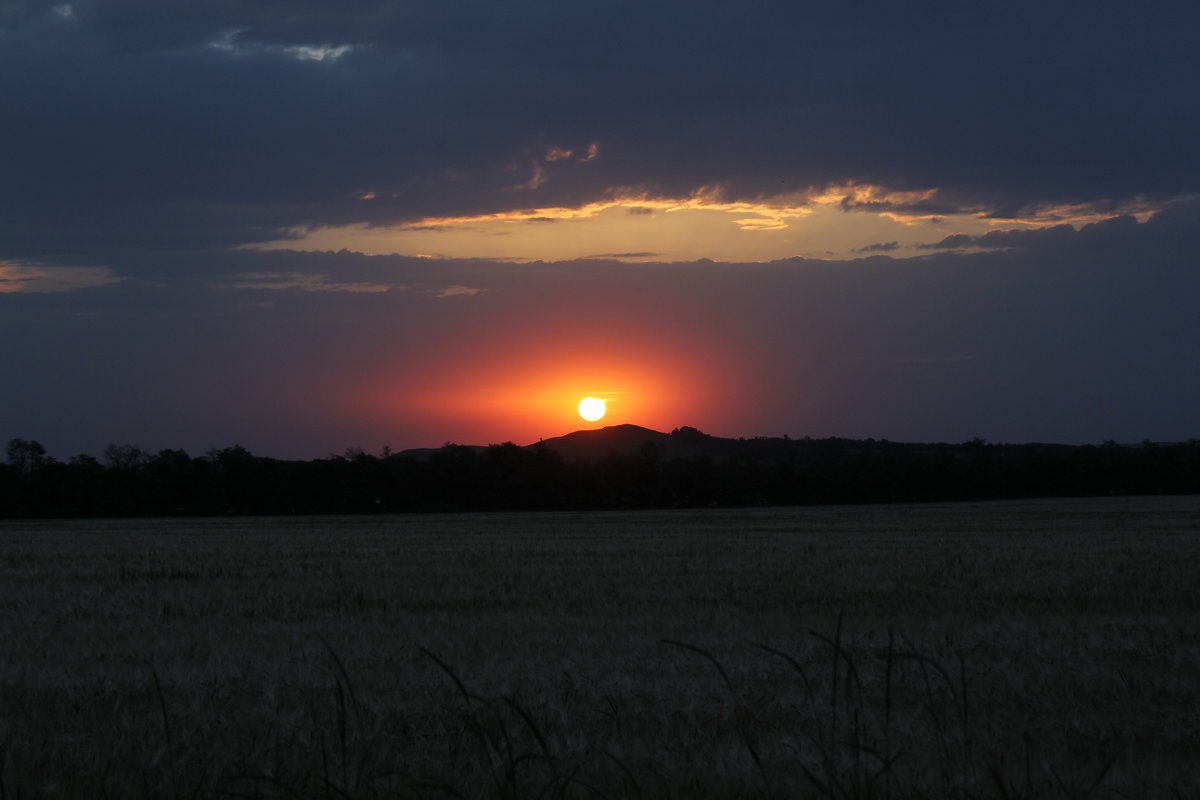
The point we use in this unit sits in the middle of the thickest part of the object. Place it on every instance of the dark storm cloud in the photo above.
(193, 125)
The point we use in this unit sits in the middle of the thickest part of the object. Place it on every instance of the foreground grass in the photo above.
(1019, 649)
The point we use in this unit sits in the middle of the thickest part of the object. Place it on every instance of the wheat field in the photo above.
(1044, 648)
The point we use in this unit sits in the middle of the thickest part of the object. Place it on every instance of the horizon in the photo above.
(305, 229)
(387, 450)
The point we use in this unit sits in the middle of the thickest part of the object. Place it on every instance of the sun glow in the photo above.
(481, 400)
(592, 408)
(500, 378)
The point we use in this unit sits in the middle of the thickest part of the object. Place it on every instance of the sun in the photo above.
(592, 408)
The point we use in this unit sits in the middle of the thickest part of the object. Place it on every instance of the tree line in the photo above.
(128, 481)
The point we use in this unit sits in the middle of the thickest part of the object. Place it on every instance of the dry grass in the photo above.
(1020, 649)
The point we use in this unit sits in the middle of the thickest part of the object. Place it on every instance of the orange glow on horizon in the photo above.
(536, 396)
(549, 406)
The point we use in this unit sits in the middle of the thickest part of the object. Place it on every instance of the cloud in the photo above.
(225, 123)
(770, 214)
(935, 359)
(878, 247)
(245, 43)
(306, 282)
(23, 277)
(953, 241)
(455, 291)
(1037, 238)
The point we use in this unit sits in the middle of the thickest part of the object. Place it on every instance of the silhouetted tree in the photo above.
(723, 472)
(125, 456)
(25, 456)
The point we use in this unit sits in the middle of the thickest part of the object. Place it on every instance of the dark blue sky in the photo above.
(1041, 156)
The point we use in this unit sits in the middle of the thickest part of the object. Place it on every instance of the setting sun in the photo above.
(592, 408)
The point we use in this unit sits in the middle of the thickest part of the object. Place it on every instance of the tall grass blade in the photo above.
(162, 707)
(705, 654)
(345, 676)
(998, 779)
(325, 765)
(437, 787)
(851, 670)
(446, 668)
(796, 665)
(525, 715)
(837, 646)
(628, 774)
(1100, 777)
(820, 784)
(887, 686)
(267, 779)
(560, 784)
(762, 771)
(341, 729)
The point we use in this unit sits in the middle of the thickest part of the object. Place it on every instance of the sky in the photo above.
(305, 226)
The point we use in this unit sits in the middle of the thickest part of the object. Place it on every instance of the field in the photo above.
(1015, 649)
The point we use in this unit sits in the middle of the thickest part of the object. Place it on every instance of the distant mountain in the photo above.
(593, 445)
(688, 442)
(685, 442)
(590, 446)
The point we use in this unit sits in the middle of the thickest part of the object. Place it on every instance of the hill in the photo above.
(687, 442)
(626, 440)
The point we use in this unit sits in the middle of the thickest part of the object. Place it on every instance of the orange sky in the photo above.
(514, 380)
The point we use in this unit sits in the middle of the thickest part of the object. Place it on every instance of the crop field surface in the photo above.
(1045, 648)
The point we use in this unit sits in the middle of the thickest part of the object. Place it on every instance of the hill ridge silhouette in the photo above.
(592, 444)
(624, 439)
